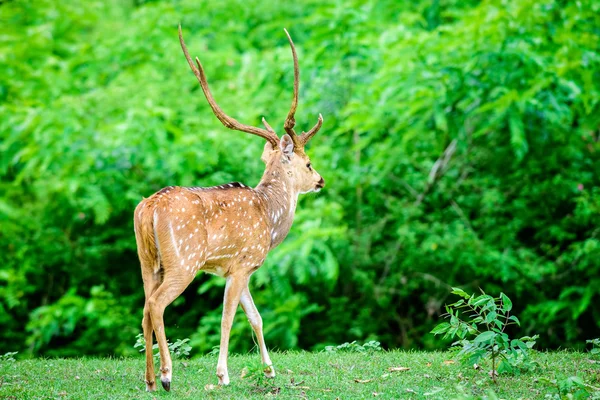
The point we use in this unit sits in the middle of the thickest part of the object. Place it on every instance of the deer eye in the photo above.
(309, 166)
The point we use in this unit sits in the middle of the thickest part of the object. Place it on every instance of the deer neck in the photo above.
(280, 197)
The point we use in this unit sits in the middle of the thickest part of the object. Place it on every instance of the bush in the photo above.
(460, 148)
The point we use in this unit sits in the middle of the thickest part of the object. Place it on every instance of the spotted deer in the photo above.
(225, 230)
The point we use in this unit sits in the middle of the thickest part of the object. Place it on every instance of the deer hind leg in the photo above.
(256, 322)
(149, 260)
(151, 283)
(172, 286)
(233, 291)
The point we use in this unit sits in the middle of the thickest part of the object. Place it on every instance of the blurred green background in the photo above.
(99, 108)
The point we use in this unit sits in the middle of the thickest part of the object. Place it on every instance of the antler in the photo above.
(290, 122)
(225, 119)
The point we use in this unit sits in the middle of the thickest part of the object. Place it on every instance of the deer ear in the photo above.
(266, 154)
(287, 147)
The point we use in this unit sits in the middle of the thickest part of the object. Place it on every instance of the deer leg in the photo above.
(168, 291)
(257, 325)
(151, 283)
(233, 291)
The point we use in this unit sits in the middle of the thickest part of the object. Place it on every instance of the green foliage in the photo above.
(572, 387)
(353, 347)
(460, 148)
(8, 357)
(179, 350)
(255, 372)
(595, 346)
(482, 333)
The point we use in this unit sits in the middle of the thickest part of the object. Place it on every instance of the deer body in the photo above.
(226, 230)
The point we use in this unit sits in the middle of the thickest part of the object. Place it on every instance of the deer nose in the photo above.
(321, 184)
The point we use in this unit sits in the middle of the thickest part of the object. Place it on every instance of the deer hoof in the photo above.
(150, 386)
(223, 379)
(270, 372)
(166, 384)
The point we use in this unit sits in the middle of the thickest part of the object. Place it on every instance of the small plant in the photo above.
(179, 350)
(255, 371)
(595, 346)
(353, 347)
(487, 320)
(572, 387)
(214, 351)
(8, 357)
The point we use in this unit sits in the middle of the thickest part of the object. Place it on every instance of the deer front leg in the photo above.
(233, 290)
(257, 325)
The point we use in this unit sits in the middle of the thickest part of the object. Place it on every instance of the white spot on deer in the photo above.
(173, 239)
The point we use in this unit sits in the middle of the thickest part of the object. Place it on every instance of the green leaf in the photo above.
(460, 292)
(441, 328)
(506, 303)
(516, 343)
(484, 337)
(490, 317)
(457, 304)
(518, 140)
(484, 298)
(514, 318)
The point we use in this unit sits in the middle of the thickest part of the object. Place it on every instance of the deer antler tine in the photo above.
(266, 124)
(290, 122)
(305, 137)
(225, 119)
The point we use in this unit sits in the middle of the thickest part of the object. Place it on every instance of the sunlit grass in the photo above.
(299, 375)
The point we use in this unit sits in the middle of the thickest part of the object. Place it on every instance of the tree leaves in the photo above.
(97, 112)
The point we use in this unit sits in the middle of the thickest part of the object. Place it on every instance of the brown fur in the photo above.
(226, 230)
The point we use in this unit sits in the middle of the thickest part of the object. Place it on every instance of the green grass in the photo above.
(299, 375)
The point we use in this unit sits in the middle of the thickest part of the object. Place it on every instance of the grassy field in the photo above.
(323, 375)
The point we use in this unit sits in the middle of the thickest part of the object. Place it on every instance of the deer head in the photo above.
(289, 150)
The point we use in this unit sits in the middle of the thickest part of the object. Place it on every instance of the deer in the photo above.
(226, 230)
